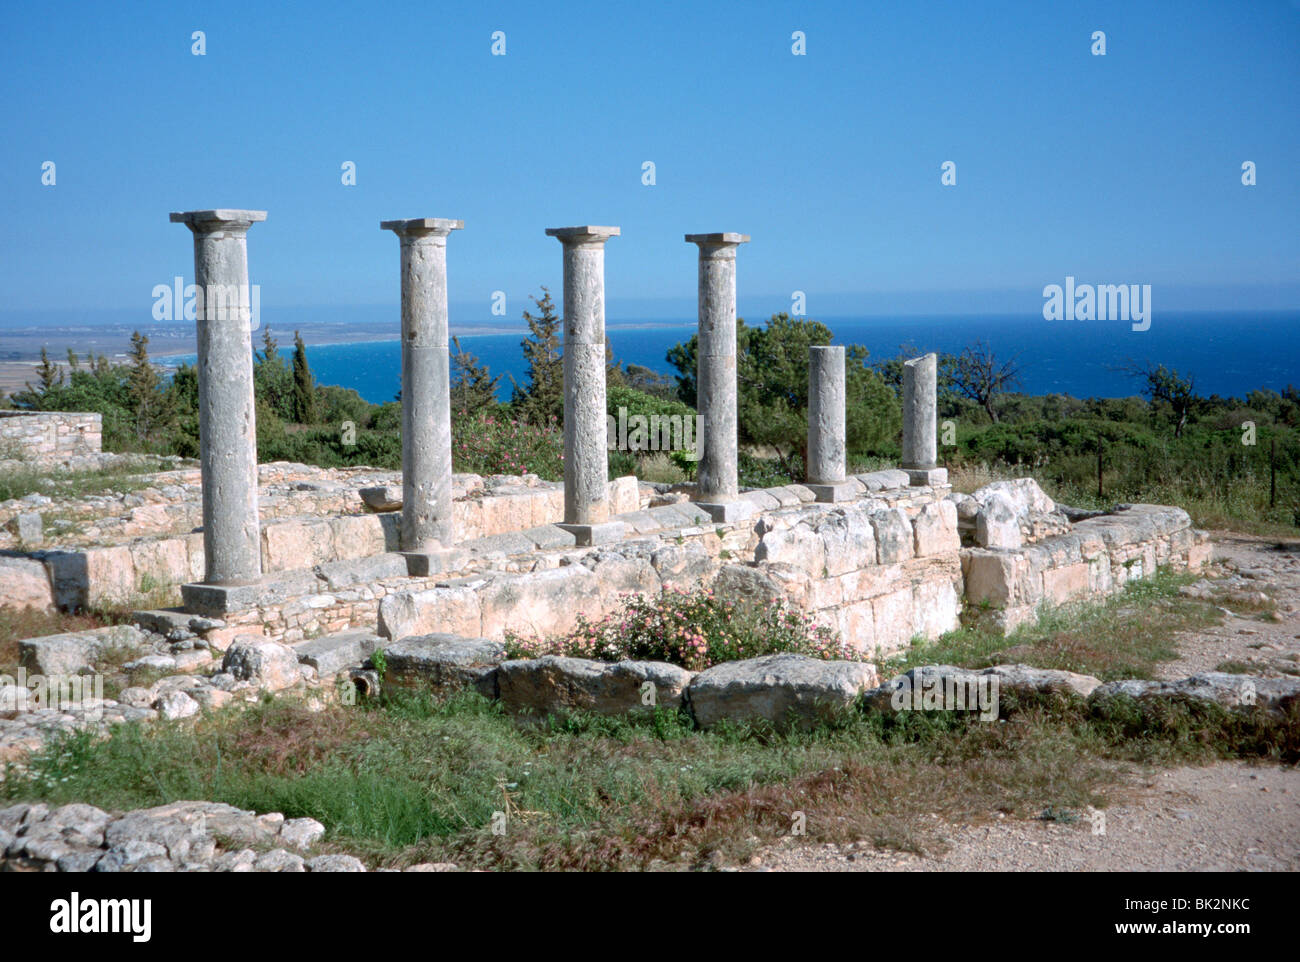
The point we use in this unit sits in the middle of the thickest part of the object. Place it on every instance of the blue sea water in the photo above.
(1227, 354)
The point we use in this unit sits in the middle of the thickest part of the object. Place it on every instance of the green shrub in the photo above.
(490, 444)
(691, 629)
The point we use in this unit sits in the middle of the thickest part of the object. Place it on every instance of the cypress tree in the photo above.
(304, 390)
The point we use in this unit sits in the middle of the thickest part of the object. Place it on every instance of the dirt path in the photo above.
(1245, 566)
(1232, 816)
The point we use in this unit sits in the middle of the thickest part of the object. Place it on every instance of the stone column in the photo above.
(826, 424)
(920, 396)
(717, 489)
(232, 551)
(426, 385)
(586, 458)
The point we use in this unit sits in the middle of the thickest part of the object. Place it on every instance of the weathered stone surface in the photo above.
(586, 470)
(920, 387)
(541, 603)
(227, 412)
(331, 654)
(1219, 688)
(682, 566)
(172, 705)
(737, 582)
(996, 524)
(717, 477)
(935, 530)
(29, 527)
(25, 583)
(779, 689)
(387, 497)
(450, 610)
(826, 402)
(75, 652)
(849, 541)
(301, 833)
(893, 532)
(948, 688)
(798, 545)
(335, 863)
(268, 664)
(278, 860)
(446, 662)
(1018, 503)
(553, 682)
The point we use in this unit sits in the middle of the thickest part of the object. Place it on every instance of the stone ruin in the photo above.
(281, 575)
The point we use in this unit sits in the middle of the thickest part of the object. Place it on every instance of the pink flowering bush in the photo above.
(489, 443)
(693, 629)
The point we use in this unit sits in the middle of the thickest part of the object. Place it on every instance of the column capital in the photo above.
(421, 226)
(584, 236)
(724, 239)
(222, 219)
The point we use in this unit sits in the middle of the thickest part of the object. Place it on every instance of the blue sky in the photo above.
(1117, 169)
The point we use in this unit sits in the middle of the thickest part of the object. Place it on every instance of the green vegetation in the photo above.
(772, 392)
(24, 480)
(694, 630)
(409, 777)
(1125, 636)
(1229, 462)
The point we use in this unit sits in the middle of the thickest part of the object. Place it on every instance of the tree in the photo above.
(472, 388)
(305, 410)
(772, 389)
(542, 398)
(145, 391)
(272, 379)
(49, 378)
(978, 374)
(1166, 385)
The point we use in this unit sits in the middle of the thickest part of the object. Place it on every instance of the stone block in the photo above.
(782, 690)
(554, 683)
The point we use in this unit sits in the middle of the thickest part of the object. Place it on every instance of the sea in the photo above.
(1227, 354)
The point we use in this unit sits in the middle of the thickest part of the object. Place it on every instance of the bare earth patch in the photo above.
(1251, 639)
(1231, 816)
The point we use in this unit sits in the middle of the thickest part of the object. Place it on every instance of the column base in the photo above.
(587, 535)
(834, 492)
(919, 477)
(726, 512)
(436, 561)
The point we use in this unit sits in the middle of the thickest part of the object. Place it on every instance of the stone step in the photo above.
(331, 654)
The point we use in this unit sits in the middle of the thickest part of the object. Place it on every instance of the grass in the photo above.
(1243, 507)
(17, 624)
(20, 482)
(417, 778)
(1125, 636)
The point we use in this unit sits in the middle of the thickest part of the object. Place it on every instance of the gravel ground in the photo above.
(1246, 565)
(1232, 816)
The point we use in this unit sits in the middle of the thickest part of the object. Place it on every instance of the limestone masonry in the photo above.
(282, 577)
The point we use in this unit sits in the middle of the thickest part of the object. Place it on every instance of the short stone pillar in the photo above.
(717, 487)
(232, 549)
(426, 387)
(586, 457)
(826, 438)
(920, 397)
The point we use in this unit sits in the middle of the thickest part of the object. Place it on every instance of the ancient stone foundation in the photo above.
(47, 437)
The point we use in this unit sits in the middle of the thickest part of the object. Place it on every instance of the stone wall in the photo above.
(1097, 557)
(881, 571)
(48, 436)
(122, 573)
